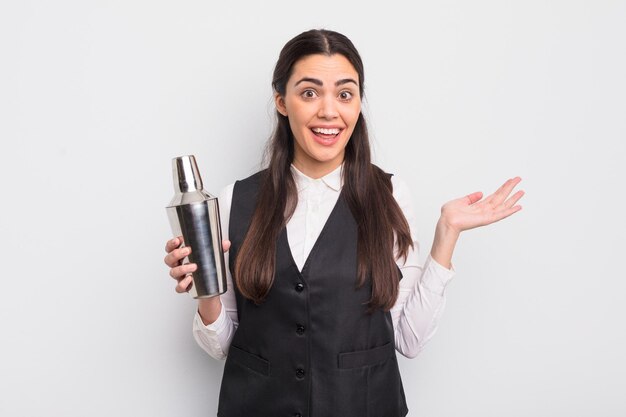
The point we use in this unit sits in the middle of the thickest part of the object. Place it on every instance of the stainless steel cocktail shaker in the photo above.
(194, 214)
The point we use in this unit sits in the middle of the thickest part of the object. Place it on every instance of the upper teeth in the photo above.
(326, 131)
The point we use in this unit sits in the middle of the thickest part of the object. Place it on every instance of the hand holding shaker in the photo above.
(194, 214)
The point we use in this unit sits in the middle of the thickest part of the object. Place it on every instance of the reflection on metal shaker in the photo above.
(194, 214)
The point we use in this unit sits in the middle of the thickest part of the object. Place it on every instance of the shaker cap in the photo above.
(186, 174)
(188, 187)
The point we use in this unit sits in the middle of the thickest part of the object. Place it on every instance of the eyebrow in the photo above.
(320, 83)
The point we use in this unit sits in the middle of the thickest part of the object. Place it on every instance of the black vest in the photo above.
(311, 348)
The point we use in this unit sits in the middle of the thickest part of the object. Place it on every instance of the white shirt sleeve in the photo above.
(215, 338)
(421, 297)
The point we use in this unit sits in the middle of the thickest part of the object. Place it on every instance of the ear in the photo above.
(280, 104)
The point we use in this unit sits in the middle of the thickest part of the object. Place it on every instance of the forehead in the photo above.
(323, 67)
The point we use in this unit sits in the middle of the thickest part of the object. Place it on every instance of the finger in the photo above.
(494, 196)
(513, 199)
(173, 244)
(225, 245)
(503, 214)
(185, 284)
(502, 193)
(174, 258)
(473, 197)
(179, 272)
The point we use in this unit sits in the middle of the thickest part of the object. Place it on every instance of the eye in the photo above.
(345, 95)
(308, 93)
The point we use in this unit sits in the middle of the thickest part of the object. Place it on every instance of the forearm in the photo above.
(420, 303)
(444, 243)
(215, 337)
(209, 309)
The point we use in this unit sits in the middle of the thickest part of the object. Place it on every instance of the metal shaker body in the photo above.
(194, 214)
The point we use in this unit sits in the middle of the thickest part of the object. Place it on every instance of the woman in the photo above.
(326, 283)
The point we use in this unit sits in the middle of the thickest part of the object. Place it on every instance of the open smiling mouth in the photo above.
(326, 134)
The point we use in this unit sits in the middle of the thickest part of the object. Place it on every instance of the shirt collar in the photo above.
(333, 180)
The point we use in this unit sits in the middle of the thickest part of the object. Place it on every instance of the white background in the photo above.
(96, 97)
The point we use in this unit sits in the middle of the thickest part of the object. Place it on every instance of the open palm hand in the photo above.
(473, 211)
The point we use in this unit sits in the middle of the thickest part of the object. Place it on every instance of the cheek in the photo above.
(296, 125)
(298, 122)
(354, 117)
(352, 112)
(298, 130)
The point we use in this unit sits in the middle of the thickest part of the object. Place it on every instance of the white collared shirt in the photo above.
(421, 297)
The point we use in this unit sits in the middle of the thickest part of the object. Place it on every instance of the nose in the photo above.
(328, 108)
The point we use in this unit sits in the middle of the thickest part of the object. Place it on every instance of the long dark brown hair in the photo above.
(367, 189)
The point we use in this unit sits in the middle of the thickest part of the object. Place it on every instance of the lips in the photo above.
(326, 136)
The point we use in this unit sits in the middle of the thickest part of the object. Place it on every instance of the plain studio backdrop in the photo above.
(97, 97)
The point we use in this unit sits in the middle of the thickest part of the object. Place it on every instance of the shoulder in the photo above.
(248, 187)
(399, 187)
(252, 179)
(244, 193)
(226, 194)
(401, 190)
(404, 197)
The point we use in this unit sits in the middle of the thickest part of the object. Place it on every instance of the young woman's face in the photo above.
(322, 104)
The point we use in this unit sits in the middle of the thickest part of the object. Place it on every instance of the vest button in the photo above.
(300, 329)
(297, 415)
(300, 373)
(299, 287)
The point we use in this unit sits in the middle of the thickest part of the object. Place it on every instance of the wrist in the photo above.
(446, 230)
(209, 309)
(444, 243)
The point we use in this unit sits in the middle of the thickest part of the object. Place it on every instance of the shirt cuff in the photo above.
(217, 327)
(436, 277)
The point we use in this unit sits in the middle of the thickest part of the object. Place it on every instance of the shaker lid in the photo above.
(188, 187)
(186, 174)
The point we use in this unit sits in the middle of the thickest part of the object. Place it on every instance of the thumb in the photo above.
(473, 197)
